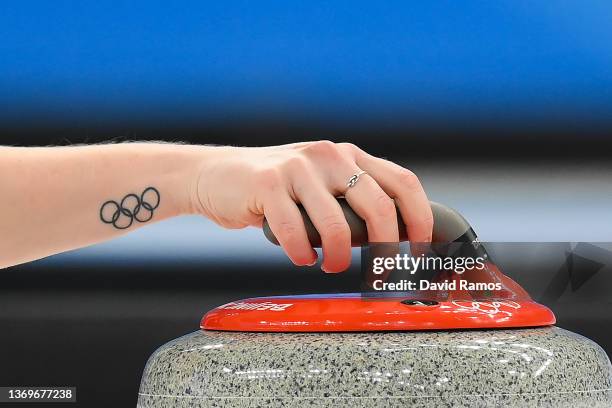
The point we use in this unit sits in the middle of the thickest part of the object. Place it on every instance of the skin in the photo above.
(52, 195)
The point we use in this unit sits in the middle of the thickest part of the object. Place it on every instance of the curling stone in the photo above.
(453, 349)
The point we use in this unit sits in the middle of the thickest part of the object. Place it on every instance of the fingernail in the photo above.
(324, 270)
(313, 263)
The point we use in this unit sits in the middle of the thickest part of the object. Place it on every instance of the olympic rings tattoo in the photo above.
(122, 215)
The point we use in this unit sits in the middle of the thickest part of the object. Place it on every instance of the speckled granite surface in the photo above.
(526, 367)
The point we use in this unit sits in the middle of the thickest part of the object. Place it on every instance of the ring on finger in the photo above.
(354, 179)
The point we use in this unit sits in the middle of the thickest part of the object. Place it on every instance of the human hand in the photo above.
(239, 186)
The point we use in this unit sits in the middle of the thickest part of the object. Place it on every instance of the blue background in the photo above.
(375, 62)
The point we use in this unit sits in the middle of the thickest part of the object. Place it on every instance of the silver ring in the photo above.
(354, 179)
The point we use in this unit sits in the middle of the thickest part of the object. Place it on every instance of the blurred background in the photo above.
(502, 109)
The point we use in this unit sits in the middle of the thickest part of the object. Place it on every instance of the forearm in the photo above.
(53, 198)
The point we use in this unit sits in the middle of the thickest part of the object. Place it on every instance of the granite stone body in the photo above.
(545, 366)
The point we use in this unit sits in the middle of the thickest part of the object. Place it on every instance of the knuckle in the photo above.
(385, 206)
(408, 179)
(287, 230)
(350, 147)
(335, 227)
(323, 147)
(296, 163)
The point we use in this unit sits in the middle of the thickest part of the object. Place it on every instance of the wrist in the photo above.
(197, 162)
(178, 168)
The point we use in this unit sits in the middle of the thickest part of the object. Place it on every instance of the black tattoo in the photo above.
(122, 215)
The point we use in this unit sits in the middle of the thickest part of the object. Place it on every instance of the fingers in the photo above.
(375, 207)
(286, 223)
(313, 174)
(328, 218)
(404, 186)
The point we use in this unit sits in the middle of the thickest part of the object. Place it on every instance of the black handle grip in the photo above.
(449, 226)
